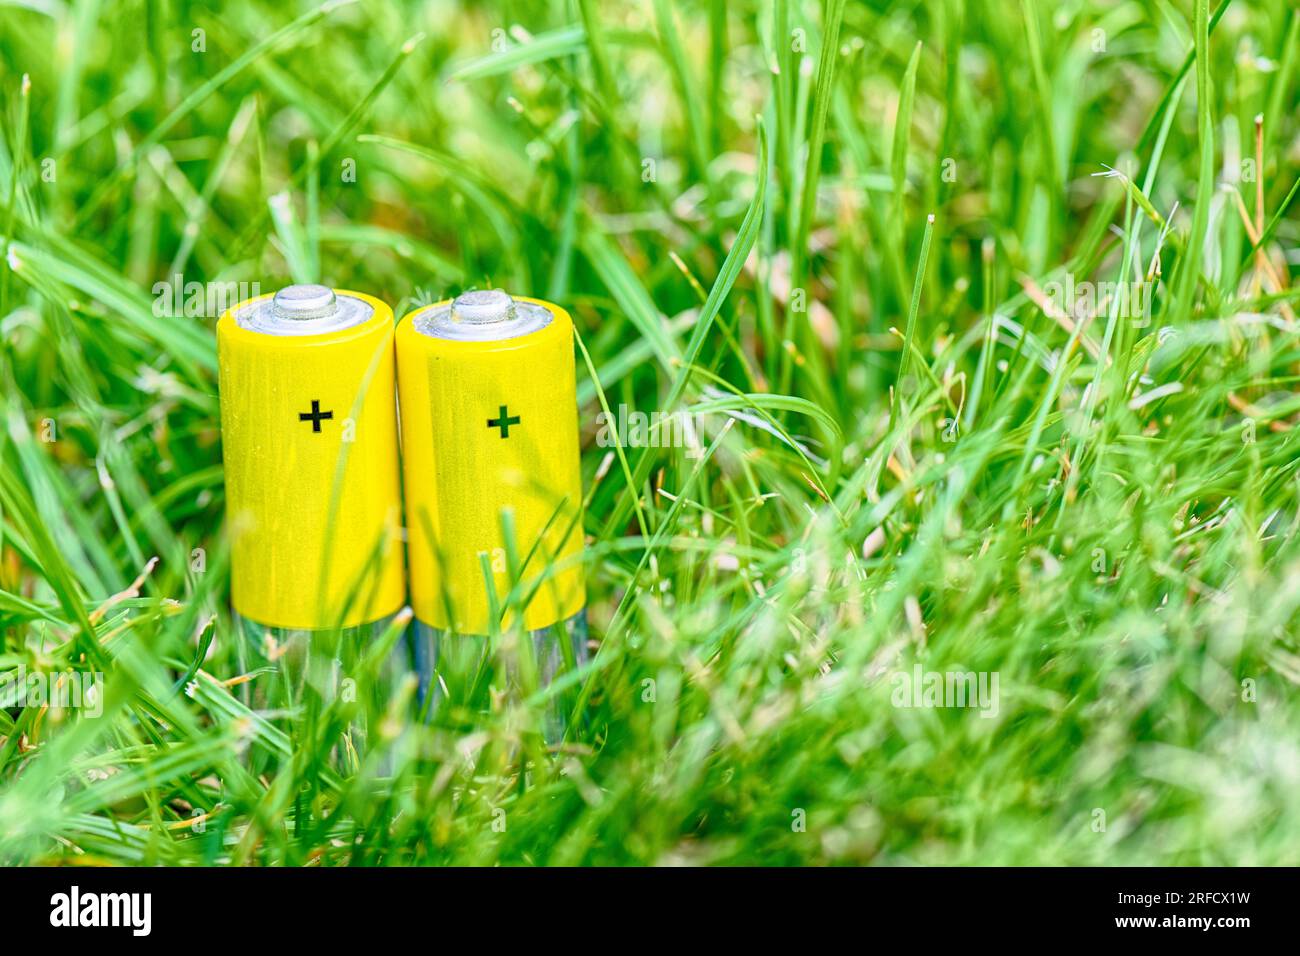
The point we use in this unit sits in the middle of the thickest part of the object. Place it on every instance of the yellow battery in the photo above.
(489, 425)
(309, 435)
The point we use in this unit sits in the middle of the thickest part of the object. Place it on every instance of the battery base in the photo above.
(339, 682)
(458, 673)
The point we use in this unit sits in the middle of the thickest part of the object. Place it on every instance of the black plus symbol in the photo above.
(503, 422)
(315, 416)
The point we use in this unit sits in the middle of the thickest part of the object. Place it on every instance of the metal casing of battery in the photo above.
(489, 426)
(309, 434)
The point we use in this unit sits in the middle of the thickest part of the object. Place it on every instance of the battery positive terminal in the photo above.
(488, 305)
(302, 302)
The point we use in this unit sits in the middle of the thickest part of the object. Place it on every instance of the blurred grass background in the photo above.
(910, 453)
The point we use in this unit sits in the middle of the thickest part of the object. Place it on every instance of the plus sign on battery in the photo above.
(503, 421)
(315, 416)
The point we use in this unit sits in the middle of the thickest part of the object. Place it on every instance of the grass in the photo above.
(909, 453)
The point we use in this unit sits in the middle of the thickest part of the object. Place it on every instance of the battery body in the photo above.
(313, 488)
(492, 485)
(313, 495)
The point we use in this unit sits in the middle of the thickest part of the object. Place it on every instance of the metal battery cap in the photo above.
(304, 309)
(301, 302)
(482, 315)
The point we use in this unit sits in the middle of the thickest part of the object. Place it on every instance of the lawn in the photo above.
(980, 317)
